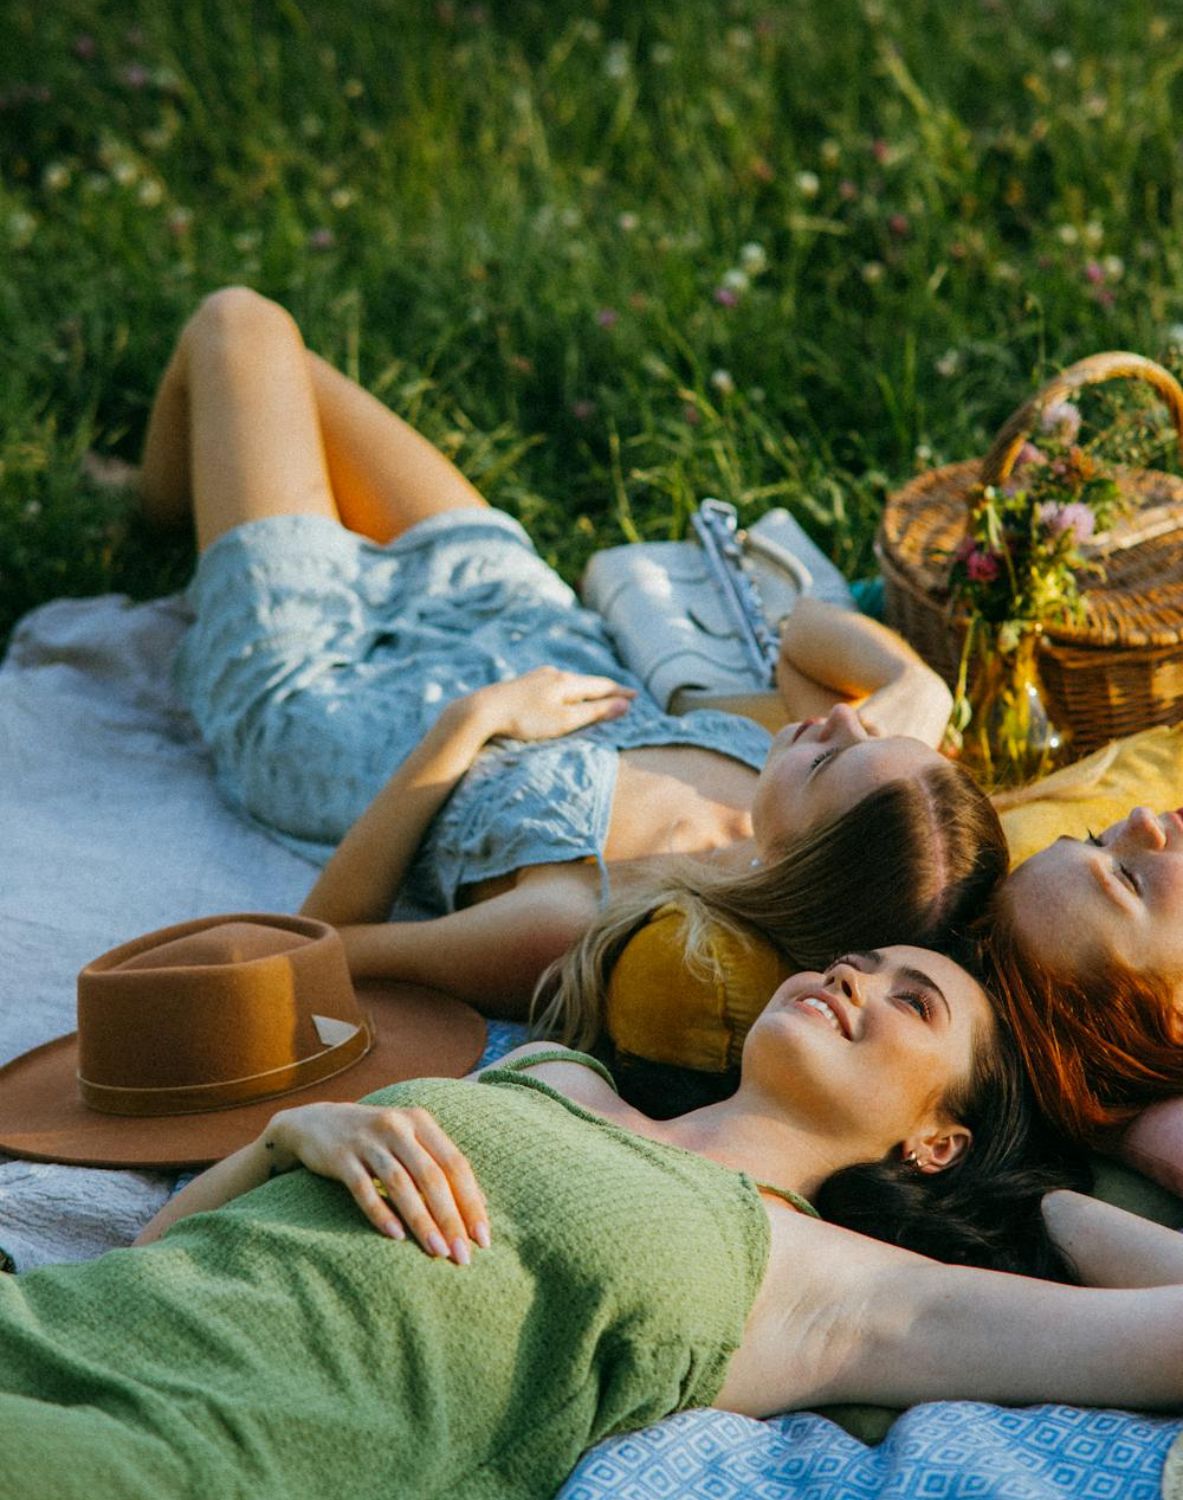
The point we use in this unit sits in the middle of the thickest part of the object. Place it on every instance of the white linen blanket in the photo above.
(110, 825)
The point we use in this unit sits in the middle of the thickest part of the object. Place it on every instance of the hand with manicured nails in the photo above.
(400, 1166)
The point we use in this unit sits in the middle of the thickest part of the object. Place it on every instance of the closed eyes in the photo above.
(1127, 875)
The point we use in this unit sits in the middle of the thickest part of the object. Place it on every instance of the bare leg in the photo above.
(385, 475)
(247, 423)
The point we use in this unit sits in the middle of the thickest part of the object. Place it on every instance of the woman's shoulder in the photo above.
(578, 1075)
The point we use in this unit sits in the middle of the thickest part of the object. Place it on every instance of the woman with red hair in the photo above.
(1086, 944)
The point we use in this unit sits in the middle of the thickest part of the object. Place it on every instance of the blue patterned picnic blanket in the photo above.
(948, 1450)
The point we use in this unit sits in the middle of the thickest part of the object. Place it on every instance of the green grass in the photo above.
(519, 224)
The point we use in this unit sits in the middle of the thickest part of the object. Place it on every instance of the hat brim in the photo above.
(418, 1033)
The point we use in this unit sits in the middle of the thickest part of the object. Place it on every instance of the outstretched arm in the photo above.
(844, 1318)
(828, 654)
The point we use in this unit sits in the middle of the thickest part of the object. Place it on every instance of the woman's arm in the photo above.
(1110, 1247)
(841, 1318)
(1154, 1144)
(491, 954)
(401, 1168)
(828, 654)
(360, 882)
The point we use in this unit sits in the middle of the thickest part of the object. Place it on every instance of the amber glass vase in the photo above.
(1012, 736)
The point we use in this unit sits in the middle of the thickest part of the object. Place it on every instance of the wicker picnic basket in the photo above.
(1121, 668)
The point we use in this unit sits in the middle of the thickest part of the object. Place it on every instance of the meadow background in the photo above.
(611, 256)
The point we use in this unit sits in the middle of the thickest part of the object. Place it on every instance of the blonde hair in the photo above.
(910, 863)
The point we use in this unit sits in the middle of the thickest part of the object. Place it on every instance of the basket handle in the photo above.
(1116, 365)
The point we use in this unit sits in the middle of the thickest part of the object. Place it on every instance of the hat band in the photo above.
(191, 1098)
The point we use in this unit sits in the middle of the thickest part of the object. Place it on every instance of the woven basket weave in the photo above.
(1121, 668)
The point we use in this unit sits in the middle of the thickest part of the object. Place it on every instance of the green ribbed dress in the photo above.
(279, 1348)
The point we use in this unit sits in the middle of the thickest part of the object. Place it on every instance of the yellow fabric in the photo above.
(660, 1010)
(1097, 791)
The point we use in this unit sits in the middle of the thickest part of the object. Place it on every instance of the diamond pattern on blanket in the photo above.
(943, 1451)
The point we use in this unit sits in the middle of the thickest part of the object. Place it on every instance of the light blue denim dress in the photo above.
(318, 660)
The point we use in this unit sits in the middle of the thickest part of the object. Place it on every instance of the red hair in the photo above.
(1099, 1044)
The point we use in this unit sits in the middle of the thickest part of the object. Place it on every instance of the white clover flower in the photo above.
(617, 60)
(21, 228)
(570, 218)
(661, 54)
(808, 184)
(831, 152)
(1175, 335)
(591, 31)
(1068, 234)
(150, 193)
(342, 197)
(753, 258)
(1114, 267)
(124, 172)
(949, 363)
(311, 127)
(872, 272)
(627, 222)
(739, 38)
(1094, 233)
(1060, 59)
(736, 280)
(55, 177)
(722, 381)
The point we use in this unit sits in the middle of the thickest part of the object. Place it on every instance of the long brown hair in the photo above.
(911, 862)
(1098, 1043)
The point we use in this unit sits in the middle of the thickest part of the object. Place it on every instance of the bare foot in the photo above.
(108, 472)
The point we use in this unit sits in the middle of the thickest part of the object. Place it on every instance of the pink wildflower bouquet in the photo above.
(1016, 570)
(1018, 564)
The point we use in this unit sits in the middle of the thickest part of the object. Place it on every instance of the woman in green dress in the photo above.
(576, 1269)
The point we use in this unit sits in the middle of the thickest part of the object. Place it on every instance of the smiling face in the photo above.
(868, 1050)
(1115, 897)
(820, 768)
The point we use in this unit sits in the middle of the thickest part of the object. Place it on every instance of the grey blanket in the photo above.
(111, 825)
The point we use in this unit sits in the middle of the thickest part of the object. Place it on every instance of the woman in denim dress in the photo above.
(383, 667)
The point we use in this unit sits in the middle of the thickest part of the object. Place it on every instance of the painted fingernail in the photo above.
(480, 1233)
(436, 1244)
(460, 1253)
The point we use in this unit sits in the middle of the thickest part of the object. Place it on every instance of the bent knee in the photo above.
(234, 311)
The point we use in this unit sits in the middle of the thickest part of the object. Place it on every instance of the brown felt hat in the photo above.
(190, 1038)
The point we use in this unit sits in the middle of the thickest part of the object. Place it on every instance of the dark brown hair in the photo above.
(986, 1209)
